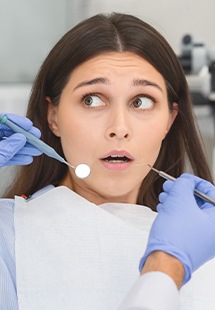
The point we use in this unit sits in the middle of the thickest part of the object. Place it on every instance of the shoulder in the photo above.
(6, 225)
(8, 299)
(6, 215)
(42, 191)
(7, 238)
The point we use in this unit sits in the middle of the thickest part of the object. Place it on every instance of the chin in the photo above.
(120, 195)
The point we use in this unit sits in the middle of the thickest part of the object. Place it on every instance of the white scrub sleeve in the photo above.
(152, 291)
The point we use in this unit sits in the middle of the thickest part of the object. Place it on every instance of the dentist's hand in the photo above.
(14, 150)
(185, 225)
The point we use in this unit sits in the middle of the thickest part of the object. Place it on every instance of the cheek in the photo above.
(155, 131)
(152, 137)
(70, 136)
(78, 139)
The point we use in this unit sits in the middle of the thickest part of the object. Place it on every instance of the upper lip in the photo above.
(118, 153)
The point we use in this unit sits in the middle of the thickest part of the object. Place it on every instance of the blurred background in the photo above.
(30, 28)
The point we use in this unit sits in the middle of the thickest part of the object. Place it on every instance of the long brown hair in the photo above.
(99, 34)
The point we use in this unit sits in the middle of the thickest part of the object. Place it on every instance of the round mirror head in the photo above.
(82, 171)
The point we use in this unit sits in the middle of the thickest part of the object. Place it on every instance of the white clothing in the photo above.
(152, 291)
(68, 248)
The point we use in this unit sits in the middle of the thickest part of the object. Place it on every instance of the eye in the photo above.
(92, 100)
(144, 103)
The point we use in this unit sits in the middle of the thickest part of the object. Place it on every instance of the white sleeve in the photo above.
(152, 291)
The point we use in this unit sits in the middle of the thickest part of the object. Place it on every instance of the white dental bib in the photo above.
(74, 255)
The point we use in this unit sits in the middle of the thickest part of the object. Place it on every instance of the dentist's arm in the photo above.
(180, 241)
(13, 147)
(156, 287)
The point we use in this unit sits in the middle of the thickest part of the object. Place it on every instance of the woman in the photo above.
(111, 94)
(98, 35)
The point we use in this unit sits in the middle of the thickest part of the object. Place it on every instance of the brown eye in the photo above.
(143, 103)
(88, 100)
(137, 103)
(93, 101)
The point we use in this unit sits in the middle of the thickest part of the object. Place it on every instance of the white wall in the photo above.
(14, 98)
(173, 18)
(29, 28)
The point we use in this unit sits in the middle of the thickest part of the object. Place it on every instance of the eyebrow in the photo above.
(99, 80)
(138, 82)
(102, 80)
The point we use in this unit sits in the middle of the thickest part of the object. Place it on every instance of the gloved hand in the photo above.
(185, 225)
(14, 150)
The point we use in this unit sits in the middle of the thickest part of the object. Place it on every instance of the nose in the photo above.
(119, 126)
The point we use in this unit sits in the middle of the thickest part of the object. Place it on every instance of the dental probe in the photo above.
(196, 192)
(82, 171)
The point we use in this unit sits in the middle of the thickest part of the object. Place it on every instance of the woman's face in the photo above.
(113, 115)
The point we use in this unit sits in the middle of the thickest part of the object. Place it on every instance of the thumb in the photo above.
(180, 195)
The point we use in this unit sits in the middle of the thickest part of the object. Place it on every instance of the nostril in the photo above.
(112, 135)
(118, 133)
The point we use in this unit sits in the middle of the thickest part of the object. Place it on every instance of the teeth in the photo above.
(117, 159)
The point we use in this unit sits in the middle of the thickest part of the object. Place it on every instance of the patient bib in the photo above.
(74, 255)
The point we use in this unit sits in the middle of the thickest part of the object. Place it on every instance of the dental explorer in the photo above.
(169, 177)
(82, 170)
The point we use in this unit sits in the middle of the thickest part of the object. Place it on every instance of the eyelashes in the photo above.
(144, 102)
(140, 102)
(92, 100)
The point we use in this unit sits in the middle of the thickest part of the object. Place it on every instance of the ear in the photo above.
(173, 114)
(172, 117)
(52, 117)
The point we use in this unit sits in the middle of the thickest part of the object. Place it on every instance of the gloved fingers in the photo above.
(182, 228)
(167, 185)
(180, 195)
(24, 122)
(21, 160)
(206, 188)
(10, 146)
(21, 121)
(162, 197)
(194, 179)
(159, 207)
(35, 131)
(182, 183)
(29, 149)
(7, 132)
(209, 209)
(201, 184)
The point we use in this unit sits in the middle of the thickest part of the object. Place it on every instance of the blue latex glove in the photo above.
(185, 225)
(14, 150)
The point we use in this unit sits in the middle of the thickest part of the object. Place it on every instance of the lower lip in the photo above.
(116, 166)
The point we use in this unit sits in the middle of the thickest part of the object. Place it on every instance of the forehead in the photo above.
(117, 64)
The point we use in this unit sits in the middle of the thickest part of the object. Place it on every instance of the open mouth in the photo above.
(116, 159)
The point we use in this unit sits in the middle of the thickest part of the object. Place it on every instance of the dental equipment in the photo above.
(169, 177)
(82, 170)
